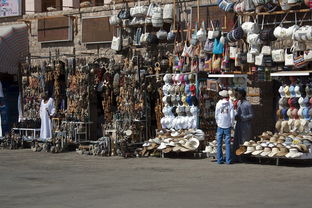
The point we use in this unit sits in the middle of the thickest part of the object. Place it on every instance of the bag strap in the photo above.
(174, 15)
(281, 23)
(213, 28)
(262, 25)
(305, 14)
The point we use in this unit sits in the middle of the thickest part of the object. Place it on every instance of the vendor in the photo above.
(47, 110)
(243, 117)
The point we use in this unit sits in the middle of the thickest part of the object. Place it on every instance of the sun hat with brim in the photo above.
(274, 151)
(259, 150)
(266, 152)
(224, 93)
(292, 91)
(273, 139)
(294, 153)
(192, 144)
(283, 151)
(278, 125)
(162, 146)
(246, 144)
(152, 146)
(167, 150)
(146, 144)
(157, 140)
(241, 150)
(286, 91)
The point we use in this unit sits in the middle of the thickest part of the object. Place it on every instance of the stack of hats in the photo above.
(180, 102)
(173, 141)
(289, 145)
(294, 112)
(211, 148)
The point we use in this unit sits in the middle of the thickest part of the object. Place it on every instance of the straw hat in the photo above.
(274, 151)
(241, 150)
(283, 151)
(259, 150)
(266, 151)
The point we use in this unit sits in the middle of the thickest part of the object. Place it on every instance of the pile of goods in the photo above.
(287, 145)
(294, 112)
(173, 141)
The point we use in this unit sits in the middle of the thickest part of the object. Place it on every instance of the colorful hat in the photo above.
(292, 91)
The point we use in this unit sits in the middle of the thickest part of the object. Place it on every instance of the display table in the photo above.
(27, 134)
(78, 130)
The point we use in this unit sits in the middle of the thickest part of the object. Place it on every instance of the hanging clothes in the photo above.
(46, 111)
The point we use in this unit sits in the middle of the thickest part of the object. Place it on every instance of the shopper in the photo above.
(224, 116)
(243, 117)
(47, 110)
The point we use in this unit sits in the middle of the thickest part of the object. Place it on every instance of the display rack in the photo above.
(291, 73)
(27, 134)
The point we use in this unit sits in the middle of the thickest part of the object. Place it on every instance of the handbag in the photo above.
(218, 47)
(254, 49)
(253, 39)
(266, 50)
(216, 64)
(226, 5)
(139, 11)
(168, 13)
(137, 37)
(152, 39)
(162, 34)
(233, 52)
(250, 27)
(208, 47)
(298, 46)
(289, 58)
(266, 34)
(267, 61)
(116, 43)
(249, 5)
(307, 55)
(239, 7)
(114, 20)
(278, 55)
(208, 65)
(194, 39)
(299, 61)
(259, 60)
(157, 18)
(126, 42)
(194, 65)
(201, 34)
(171, 35)
(124, 13)
(250, 58)
(150, 9)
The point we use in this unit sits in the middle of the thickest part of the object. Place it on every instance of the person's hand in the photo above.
(237, 118)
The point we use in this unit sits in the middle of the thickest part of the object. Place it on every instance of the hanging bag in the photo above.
(157, 18)
(168, 13)
(289, 57)
(114, 19)
(201, 34)
(194, 39)
(138, 11)
(124, 13)
(116, 42)
(218, 47)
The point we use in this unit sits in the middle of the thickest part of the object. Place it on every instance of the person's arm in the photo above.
(52, 111)
(217, 112)
(249, 116)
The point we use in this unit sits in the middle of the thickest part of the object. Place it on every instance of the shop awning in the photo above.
(13, 47)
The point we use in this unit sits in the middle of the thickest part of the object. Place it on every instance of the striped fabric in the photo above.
(13, 47)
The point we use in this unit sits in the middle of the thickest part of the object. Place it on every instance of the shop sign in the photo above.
(10, 8)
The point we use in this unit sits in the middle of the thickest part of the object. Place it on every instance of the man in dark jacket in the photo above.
(243, 117)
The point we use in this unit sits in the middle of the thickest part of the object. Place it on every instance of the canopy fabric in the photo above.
(13, 47)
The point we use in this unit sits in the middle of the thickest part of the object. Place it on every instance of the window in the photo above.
(57, 4)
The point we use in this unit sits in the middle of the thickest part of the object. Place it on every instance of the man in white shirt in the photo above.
(224, 116)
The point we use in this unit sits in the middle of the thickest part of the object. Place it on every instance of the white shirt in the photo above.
(224, 114)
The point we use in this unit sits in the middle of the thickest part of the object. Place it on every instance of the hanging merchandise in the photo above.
(218, 47)
(157, 17)
(266, 34)
(116, 43)
(266, 50)
(278, 55)
(114, 19)
(138, 10)
(239, 7)
(289, 58)
(201, 34)
(250, 27)
(249, 5)
(171, 35)
(215, 32)
(124, 13)
(162, 34)
(168, 13)
(226, 5)
(194, 39)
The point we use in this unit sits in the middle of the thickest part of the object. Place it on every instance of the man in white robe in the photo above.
(47, 110)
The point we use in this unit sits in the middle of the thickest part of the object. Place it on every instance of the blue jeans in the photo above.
(221, 132)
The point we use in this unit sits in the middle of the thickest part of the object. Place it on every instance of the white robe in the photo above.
(46, 109)
(0, 127)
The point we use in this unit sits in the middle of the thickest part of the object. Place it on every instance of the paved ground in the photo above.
(45, 180)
